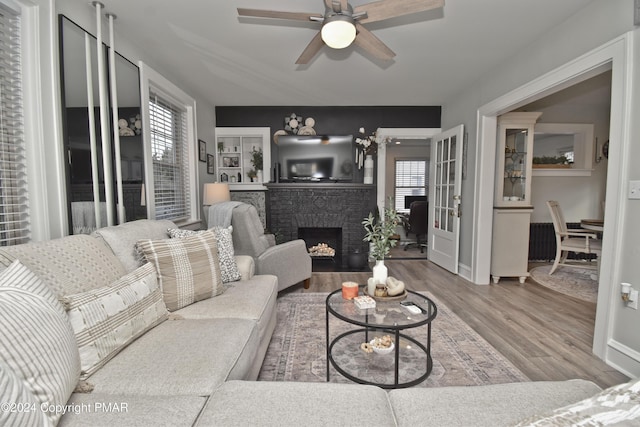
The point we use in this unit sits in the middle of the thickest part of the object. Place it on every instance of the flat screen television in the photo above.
(315, 158)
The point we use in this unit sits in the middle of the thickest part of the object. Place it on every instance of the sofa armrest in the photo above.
(246, 265)
(289, 261)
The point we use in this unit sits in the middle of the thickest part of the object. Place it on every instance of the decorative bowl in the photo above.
(381, 350)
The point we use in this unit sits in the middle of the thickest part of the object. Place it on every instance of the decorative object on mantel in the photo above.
(378, 233)
(368, 169)
(367, 146)
(308, 129)
(277, 134)
(292, 123)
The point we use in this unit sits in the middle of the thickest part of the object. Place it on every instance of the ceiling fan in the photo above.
(342, 24)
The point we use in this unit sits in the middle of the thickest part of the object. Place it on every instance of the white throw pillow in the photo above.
(37, 342)
(228, 265)
(106, 320)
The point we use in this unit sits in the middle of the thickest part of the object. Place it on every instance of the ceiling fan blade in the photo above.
(369, 42)
(259, 13)
(311, 50)
(385, 9)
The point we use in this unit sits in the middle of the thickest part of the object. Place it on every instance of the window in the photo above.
(411, 180)
(14, 202)
(170, 150)
(169, 153)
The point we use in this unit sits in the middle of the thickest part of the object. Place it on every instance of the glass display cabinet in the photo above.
(512, 206)
(514, 162)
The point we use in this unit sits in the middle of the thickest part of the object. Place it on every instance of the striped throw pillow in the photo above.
(20, 406)
(107, 319)
(188, 269)
(37, 342)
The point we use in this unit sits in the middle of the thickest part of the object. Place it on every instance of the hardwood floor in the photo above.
(547, 335)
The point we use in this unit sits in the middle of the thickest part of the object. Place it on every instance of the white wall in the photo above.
(579, 196)
(598, 23)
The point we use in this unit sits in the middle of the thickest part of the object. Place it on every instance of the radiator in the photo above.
(542, 242)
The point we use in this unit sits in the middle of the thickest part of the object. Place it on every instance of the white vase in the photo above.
(368, 169)
(380, 272)
(259, 173)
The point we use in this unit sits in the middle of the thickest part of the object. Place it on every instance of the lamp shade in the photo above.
(216, 192)
(338, 31)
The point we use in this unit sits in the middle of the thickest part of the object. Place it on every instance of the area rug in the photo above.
(297, 351)
(575, 282)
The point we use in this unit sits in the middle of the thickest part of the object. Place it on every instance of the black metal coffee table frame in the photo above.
(395, 329)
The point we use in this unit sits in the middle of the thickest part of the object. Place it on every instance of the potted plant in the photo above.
(220, 147)
(256, 161)
(378, 233)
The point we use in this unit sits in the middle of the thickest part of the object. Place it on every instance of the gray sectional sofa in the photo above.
(198, 364)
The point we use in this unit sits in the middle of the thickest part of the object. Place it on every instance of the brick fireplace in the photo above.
(296, 208)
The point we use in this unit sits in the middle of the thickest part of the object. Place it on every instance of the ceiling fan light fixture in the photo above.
(338, 31)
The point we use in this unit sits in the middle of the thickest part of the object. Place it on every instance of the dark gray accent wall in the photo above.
(343, 120)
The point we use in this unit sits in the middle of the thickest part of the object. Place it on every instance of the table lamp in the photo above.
(216, 192)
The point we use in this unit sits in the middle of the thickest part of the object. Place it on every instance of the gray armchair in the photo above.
(289, 261)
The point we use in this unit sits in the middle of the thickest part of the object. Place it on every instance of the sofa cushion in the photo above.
(122, 238)
(25, 408)
(129, 410)
(181, 357)
(263, 403)
(617, 405)
(228, 266)
(37, 341)
(188, 269)
(491, 405)
(253, 299)
(68, 265)
(105, 320)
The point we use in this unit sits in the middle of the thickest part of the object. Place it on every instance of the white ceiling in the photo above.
(226, 60)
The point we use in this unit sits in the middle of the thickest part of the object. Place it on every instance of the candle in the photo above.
(349, 290)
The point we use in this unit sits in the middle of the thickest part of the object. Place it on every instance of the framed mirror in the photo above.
(563, 149)
(80, 106)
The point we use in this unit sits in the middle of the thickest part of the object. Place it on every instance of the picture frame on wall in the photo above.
(202, 150)
(210, 164)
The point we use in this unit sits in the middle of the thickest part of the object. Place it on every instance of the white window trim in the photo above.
(395, 171)
(149, 78)
(41, 97)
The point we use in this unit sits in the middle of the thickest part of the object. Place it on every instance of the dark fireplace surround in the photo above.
(294, 209)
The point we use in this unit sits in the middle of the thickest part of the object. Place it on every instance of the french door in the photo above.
(445, 184)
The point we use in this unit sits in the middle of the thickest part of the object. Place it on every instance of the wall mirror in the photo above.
(80, 101)
(563, 149)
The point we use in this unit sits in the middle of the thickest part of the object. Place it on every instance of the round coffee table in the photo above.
(408, 364)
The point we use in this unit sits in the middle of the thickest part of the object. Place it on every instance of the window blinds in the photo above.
(14, 203)
(169, 153)
(411, 180)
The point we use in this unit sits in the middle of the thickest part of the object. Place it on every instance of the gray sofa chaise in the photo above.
(197, 365)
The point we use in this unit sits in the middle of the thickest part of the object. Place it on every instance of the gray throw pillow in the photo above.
(228, 266)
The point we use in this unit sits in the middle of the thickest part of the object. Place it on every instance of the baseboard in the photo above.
(464, 271)
(623, 358)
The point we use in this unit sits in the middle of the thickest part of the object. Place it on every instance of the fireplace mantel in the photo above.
(332, 205)
(324, 185)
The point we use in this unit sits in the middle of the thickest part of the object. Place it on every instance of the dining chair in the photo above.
(571, 240)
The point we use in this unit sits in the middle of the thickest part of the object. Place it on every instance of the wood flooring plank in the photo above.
(547, 335)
